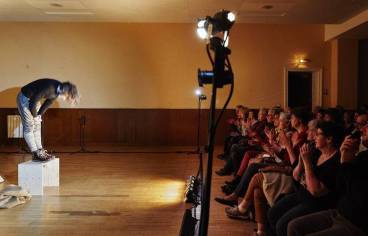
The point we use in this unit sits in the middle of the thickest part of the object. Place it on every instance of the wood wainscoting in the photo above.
(153, 127)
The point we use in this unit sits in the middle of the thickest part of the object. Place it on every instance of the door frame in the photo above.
(316, 84)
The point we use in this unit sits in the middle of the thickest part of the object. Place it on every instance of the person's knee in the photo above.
(281, 227)
(28, 128)
(293, 227)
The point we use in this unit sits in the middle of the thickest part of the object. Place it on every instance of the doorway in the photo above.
(303, 88)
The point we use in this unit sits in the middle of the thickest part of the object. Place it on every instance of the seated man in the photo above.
(349, 217)
(30, 110)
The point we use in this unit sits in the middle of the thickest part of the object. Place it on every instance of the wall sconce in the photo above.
(302, 62)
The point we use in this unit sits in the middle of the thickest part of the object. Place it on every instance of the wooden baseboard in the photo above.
(174, 127)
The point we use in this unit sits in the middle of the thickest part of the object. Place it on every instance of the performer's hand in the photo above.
(38, 118)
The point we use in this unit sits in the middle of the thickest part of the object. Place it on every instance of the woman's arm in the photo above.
(314, 185)
(297, 172)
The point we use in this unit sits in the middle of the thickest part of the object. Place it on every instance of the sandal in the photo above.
(234, 213)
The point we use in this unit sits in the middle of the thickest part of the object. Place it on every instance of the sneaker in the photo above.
(39, 156)
(45, 152)
(234, 213)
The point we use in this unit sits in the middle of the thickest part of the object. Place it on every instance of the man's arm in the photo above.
(45, 105)
(33, 103)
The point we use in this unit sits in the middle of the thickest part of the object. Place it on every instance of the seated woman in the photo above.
(348, 218)
(254, 133)
(266, 187)
(272, 148)
(317, 190)
(236, 129)
(299, 120)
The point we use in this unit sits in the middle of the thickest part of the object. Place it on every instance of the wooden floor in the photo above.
(114, 194)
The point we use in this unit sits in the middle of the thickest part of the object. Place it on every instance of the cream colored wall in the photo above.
(121, 65)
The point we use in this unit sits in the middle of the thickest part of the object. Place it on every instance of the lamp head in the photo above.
(222, 21)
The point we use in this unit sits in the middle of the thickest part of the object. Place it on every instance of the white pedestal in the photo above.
(33, 176)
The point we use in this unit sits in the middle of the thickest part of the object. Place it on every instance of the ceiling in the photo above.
(248, 11)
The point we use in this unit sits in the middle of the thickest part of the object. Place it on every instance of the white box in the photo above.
(33, 176)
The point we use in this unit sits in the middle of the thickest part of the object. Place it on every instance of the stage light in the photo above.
(206, 77)
(201, 29)
(231, 17)
(210, 28)
(198, 92)
(222, 21)
(191, 192)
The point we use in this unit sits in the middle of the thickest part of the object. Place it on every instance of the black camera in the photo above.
(206, 77)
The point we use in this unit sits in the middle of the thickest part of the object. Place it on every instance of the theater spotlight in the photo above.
(216, 30)
(191, 190)
(222, 21)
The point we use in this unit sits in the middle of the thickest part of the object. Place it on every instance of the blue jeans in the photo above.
(31, 124)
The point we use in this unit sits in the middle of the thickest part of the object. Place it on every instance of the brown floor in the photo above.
(114, 194)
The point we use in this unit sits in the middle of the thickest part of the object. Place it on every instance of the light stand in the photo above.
(201, 97)
(218, 80)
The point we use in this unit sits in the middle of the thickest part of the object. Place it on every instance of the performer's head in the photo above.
(69, 92)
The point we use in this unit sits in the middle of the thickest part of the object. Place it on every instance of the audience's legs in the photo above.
(323, 223)
(254, 184)
(260, 205)
(310, 223)
(280, 207)
(247, 177)
(245, 161)
(299, 210)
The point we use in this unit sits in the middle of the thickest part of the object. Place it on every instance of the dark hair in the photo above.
(335, 115)
(361, 112)
(70, 89)
(302, 114)
(320, 110)
(334, 130)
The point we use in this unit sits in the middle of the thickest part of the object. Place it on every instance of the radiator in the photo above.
(15, 127)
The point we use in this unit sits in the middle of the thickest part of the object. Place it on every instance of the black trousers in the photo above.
(287, 209)
(323, 223)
